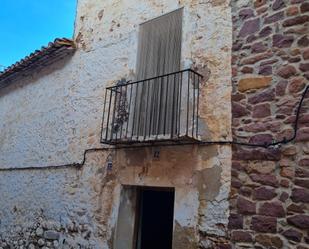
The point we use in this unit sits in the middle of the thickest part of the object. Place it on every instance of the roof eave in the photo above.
(48, 55)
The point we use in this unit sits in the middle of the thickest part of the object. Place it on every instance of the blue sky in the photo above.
(26, 25)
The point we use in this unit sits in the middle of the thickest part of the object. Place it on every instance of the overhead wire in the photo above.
(232, 142)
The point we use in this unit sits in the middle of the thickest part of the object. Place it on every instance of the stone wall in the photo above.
(57, 207)
(270, 196)
(49, 118)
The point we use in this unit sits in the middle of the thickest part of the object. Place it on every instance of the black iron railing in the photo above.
(159, 109)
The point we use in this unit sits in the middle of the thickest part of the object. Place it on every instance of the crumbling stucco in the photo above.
(52, 117)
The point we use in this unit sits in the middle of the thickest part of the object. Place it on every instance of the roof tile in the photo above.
(47, 54)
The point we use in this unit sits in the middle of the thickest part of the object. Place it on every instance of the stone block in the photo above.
(304, 67)
(258, 47)
(292, 234)
(304, 162)
(238, 110)
(289, 150)
(302, 135)
(282, 41)
(250, 27)
(278, 4)
(245, 206)
(287, 172)
(247, 70)
(266, 167)
(295, 21)
(246, 13)
(235, 221)
(259, 3)
(265, 31)
(296, 208)
(39, 231)
(301, 221)
(254, 83)
(284, 196)
(271, 154)
(269, 241)
(286, 71)
(281, 87)
(51, 235)
(303, 41)
(241, 236)
(294, 59)
(300, 195)
(306, 54)
(304, 7)
(245, 191)
(302, 183)
(292, 11)
(304, 119)
(267, 95)
(266, 70)
(261, 139)
(302, 173)
(264, 224)
(274, 18)
(268, 62)
(274, 209)
(284, 183)
(269, 180)
(264, 193)
(261, 111)
(256, 58)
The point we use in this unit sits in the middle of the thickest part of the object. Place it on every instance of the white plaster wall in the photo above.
(65, 200)
(51, 117)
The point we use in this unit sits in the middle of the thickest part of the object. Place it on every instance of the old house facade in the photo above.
(181, 112)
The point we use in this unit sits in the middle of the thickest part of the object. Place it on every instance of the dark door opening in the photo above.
(155, 224)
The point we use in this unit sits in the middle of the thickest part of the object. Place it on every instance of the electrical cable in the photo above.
(284, 140)
(264, 145)
(233, 142)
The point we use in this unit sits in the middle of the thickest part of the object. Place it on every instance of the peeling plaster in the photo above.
(64, 119)
(208, 183)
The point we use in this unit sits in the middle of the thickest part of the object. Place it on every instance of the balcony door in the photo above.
(159, 53)
(159, 46)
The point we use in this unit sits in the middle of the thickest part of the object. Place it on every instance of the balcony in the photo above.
(162, 109)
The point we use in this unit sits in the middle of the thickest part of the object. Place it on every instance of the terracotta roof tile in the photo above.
(46, 55)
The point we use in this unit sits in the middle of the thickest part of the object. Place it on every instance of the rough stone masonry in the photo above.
(254, 57)
(59, 116)
(269, 198)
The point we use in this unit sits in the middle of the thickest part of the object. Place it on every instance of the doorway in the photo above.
(156, 212)
(145, 218)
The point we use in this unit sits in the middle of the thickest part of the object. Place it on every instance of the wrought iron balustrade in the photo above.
(159, 109)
